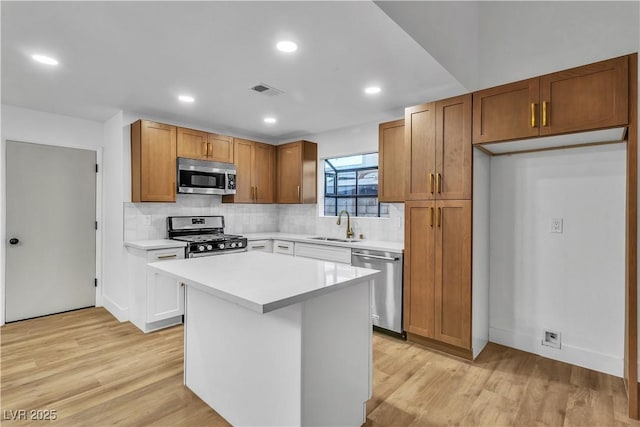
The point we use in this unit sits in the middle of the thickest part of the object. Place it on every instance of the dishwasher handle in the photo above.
(386, 258)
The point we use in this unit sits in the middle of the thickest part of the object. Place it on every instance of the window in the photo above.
(351, 183)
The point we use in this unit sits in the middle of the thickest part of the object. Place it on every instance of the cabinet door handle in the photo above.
(431, 182)
(298, 193)
(205, 149)
(544, 114)
(209, 149)
(283, 247)
(251, 193)
(533, 115)
(257, 247)
(256, 193)
(431, 218)
(439, 217)
(167, 256)
(439, 182)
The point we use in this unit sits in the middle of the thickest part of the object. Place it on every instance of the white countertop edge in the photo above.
(147, 245)
(376, 245)
(259, 308)
(270, 306)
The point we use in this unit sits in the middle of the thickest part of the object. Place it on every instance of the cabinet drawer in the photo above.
(283, 247)
(260, 245)
(165, 254)
(324, 252)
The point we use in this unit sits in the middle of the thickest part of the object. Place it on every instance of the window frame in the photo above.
(356, 196)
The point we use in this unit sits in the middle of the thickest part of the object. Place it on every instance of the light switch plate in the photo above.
(556, 225)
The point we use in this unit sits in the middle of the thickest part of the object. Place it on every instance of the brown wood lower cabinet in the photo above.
(437, 271)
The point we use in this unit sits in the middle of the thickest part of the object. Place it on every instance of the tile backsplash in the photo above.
(304, 219)
(145, 221)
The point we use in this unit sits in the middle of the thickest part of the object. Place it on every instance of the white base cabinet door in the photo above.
(260, 245)
(324, 252)
(155, 301)
(284, 247)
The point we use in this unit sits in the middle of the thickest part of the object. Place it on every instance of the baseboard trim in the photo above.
(607, 363)
(119, 312)
(440, 346)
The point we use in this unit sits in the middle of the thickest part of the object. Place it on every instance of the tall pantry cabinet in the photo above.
(437, 282)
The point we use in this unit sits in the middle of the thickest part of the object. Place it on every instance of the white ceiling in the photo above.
(138, 56)
(487, 43)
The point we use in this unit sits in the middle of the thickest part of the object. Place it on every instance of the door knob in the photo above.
(14, 241)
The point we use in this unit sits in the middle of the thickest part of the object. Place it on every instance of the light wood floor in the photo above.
(95, 371)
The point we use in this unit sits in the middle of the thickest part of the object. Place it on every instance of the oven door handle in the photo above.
(203, 254)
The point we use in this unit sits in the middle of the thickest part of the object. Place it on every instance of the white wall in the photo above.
(571, 282)
(115, 291)
(24, 125)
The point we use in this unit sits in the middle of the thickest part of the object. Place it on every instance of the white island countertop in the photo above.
(263, 282)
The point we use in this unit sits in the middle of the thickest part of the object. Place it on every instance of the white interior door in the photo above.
(51, 237)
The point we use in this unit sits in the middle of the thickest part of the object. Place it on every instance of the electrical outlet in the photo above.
(552, 339)
(146, 220)
(556, 225)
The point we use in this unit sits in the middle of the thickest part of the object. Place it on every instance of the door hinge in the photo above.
(96, 225)
(96, 168)
(95, 282)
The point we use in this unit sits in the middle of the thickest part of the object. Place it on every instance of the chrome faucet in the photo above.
(349, 229)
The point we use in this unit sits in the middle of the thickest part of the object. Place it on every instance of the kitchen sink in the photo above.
(334, 239)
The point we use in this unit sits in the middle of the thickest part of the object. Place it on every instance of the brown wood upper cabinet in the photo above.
(297, 171)
(153, 162)
(438, 146)
(255, 172)
(392, 161)
(221, 148)
(437, 273)
(593, 96)
(199, 145)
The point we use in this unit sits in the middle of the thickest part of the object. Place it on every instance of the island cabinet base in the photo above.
(307, 364)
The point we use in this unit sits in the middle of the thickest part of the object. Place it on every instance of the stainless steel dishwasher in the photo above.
(386, 301)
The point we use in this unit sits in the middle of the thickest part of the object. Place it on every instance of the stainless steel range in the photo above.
(204, 235)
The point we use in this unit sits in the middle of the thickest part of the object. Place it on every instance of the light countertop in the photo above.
(263, 282)
(376, 245)
(147, 245)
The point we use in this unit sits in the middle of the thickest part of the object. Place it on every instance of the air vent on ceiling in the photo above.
(267, 90)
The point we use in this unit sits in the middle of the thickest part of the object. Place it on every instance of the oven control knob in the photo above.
(239, 244)
(201, 248)
(221, 246)
(233, 245)
(209, 247)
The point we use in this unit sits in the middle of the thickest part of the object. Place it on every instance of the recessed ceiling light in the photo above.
(371, 90)
(45, 59)
(270, 120)
(186, 98)
(287, 46)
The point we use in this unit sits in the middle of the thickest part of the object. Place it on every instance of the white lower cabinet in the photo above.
(155, 301)
(284, 247)
(323, 252)
(260, 245)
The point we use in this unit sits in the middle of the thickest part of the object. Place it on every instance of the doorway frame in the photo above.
(3, 217)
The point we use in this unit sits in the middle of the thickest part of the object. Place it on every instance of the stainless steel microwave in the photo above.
(203, 177)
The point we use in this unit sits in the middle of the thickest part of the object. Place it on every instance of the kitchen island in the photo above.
(272, 340)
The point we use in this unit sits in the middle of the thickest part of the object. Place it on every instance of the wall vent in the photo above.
(265, 89)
